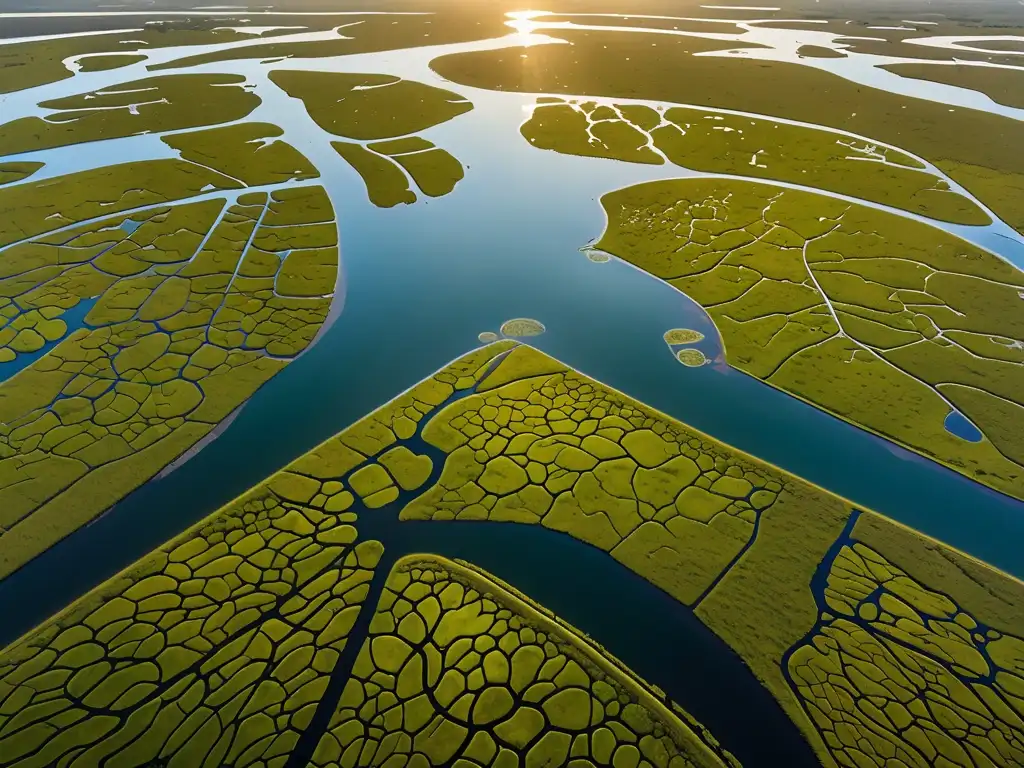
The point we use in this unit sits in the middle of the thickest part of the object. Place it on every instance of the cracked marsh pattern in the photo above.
(545, 446)
(271, 634)
(457, 669)
(198, 305)
(897, 674)
(886, 322)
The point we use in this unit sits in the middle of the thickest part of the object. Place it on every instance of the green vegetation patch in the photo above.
(30, 64)
(691, 358)
(522, 327)
(103, 62)
(842, 305)
(252, 153)
(435, 171)
(216, 646)
(921, 676)
(368, 107)
(1004, 86)
(386, 185)
(682, 336)
(18, 170)
(171, 102)
(717, 142)
(458, 669)
(36, 207)
(549, 446)
(178, 338)
(366, 34)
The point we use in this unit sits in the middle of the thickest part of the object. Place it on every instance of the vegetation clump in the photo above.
(682, 336)
(168, 103)
(691, 358)
(522, 327)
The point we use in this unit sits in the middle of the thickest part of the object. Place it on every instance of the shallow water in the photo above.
(958, 424)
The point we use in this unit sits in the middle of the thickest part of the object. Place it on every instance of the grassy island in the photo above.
(156, 104)
(720, 142)
(367, 109)
(191, 306)
(886, 322)
(976, 149)
(258, 635)
(480, 675)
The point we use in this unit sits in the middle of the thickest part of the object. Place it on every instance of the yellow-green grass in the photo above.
(219, 644)
(844, 306)
(101, 62)
(459, 669)
(924, 678)
(168, 103)
(434, 171)
(34, 63)
(249, 152)
(522, 327)
(175, 342)
(819, 52)
(16, 171)
(36, 207)
(760, 603)
(548, 446)
(543, 444)
(683, 336)
(965, 143)
(369, 107)
(1004, 86)
(691, 358)
(732, 144)
(367, 34)
(386, 185)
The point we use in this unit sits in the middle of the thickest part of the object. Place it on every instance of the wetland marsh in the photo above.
(726, 468)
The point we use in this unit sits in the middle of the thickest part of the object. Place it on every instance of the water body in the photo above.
(74, 318)
(958, 424)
